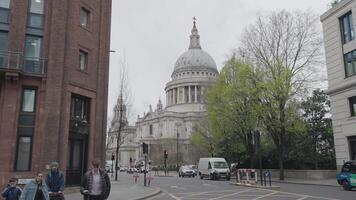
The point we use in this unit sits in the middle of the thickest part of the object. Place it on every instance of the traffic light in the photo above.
(165, 154)
(145, 148)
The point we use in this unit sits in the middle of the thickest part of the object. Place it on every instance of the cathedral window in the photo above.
(192, 92)
(151, 129)
(186, 92)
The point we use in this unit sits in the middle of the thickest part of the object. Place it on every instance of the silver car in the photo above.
(185, 170)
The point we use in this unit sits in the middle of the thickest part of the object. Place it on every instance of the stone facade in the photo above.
(170, 127)
(55, 75)
(342, 83)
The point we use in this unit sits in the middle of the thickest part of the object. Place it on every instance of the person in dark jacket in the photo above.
(12, 191)
(96, 183)
(55, 182)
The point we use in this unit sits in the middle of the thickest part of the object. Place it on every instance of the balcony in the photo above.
(79, 126)
(16, 62)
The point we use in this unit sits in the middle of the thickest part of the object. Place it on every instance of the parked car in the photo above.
(347, 176)
(214, 168)
(194, 168)
(185, 170)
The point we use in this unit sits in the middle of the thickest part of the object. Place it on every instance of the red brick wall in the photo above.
(63, 36)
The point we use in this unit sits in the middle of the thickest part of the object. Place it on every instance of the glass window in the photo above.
(33, 47)
(83, 59)
(84, 17)
(350, 63)
(4, 11)
(347, 28)
(23, 153)
(28, 100)
(36, 6)
(352, 101)
(151, 129)
(35, 17)
(3, 41)
(80, 108)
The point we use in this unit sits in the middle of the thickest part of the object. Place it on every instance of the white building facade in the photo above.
(170, 128)
(340, 52)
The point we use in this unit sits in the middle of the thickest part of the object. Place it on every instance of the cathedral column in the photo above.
(189, 99)
(174, 96)
(195, 88)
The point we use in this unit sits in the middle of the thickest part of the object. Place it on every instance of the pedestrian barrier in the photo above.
(247, 176)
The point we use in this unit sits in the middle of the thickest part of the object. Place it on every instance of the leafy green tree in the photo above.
(319, 138)
(285, 46)
(233, 108)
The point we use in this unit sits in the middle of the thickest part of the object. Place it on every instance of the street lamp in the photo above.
(177, 150)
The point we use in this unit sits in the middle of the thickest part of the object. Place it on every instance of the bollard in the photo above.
(256, 180)
(247, 178)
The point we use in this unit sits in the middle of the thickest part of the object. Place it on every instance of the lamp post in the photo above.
(177, 150)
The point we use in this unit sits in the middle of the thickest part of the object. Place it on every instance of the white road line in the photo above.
(302, 195)
(177, 187)
(174, 197)
(227, 195)
(266, 195)
(200, 193)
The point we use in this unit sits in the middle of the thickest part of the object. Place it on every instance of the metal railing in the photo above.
(15, 61)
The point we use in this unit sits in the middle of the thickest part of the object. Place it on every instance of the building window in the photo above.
(24, 147)
(3, 42)
(186, 93)
(28, 100)
(84, 17)
(347, 28)
(83, 60)
(35, 17)
(4, 11)
(26, 129)
(151, 129)
(350, 63)
(80, 108)
(352, 101)
(33, 54)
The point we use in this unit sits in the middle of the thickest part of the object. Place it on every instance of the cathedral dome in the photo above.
(195, 58)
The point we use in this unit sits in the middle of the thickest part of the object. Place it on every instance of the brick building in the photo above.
(54, 63)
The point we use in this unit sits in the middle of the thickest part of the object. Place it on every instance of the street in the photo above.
(194, 188)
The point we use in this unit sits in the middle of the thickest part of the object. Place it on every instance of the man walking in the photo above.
(55, 182)
(96, 183)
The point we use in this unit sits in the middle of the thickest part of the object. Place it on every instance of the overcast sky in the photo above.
(152, 34)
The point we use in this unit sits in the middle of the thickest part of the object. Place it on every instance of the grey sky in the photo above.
(152, 34)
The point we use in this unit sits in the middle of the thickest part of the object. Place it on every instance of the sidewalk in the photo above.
(124, 189)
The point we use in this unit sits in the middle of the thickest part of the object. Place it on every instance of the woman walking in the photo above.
(35, 189)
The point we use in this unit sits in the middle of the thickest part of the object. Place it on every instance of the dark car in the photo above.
(185, 170)
(347, 176)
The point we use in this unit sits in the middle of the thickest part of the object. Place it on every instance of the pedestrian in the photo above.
(35, 189)
(12, 191)
(96, 183)
(55, 182)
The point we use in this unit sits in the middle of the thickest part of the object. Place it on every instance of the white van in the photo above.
(214, 168)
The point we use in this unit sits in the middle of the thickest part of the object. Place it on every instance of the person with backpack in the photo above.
(12, 191)
(55, 182)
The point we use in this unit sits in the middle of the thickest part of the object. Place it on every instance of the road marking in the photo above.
(303, 198)
(227, 195)
(174, 197)
(301, 195)
(177, 187)
(266, 195)
(200, 193)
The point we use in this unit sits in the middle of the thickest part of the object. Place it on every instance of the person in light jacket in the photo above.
(35, 189)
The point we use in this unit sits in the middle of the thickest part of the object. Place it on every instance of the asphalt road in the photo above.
(175, 188)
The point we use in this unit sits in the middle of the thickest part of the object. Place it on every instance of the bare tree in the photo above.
(287, 47)
(121, 111)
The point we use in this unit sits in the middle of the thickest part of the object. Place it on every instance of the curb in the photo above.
(255, 186)
(158, 191)
(288, 182)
